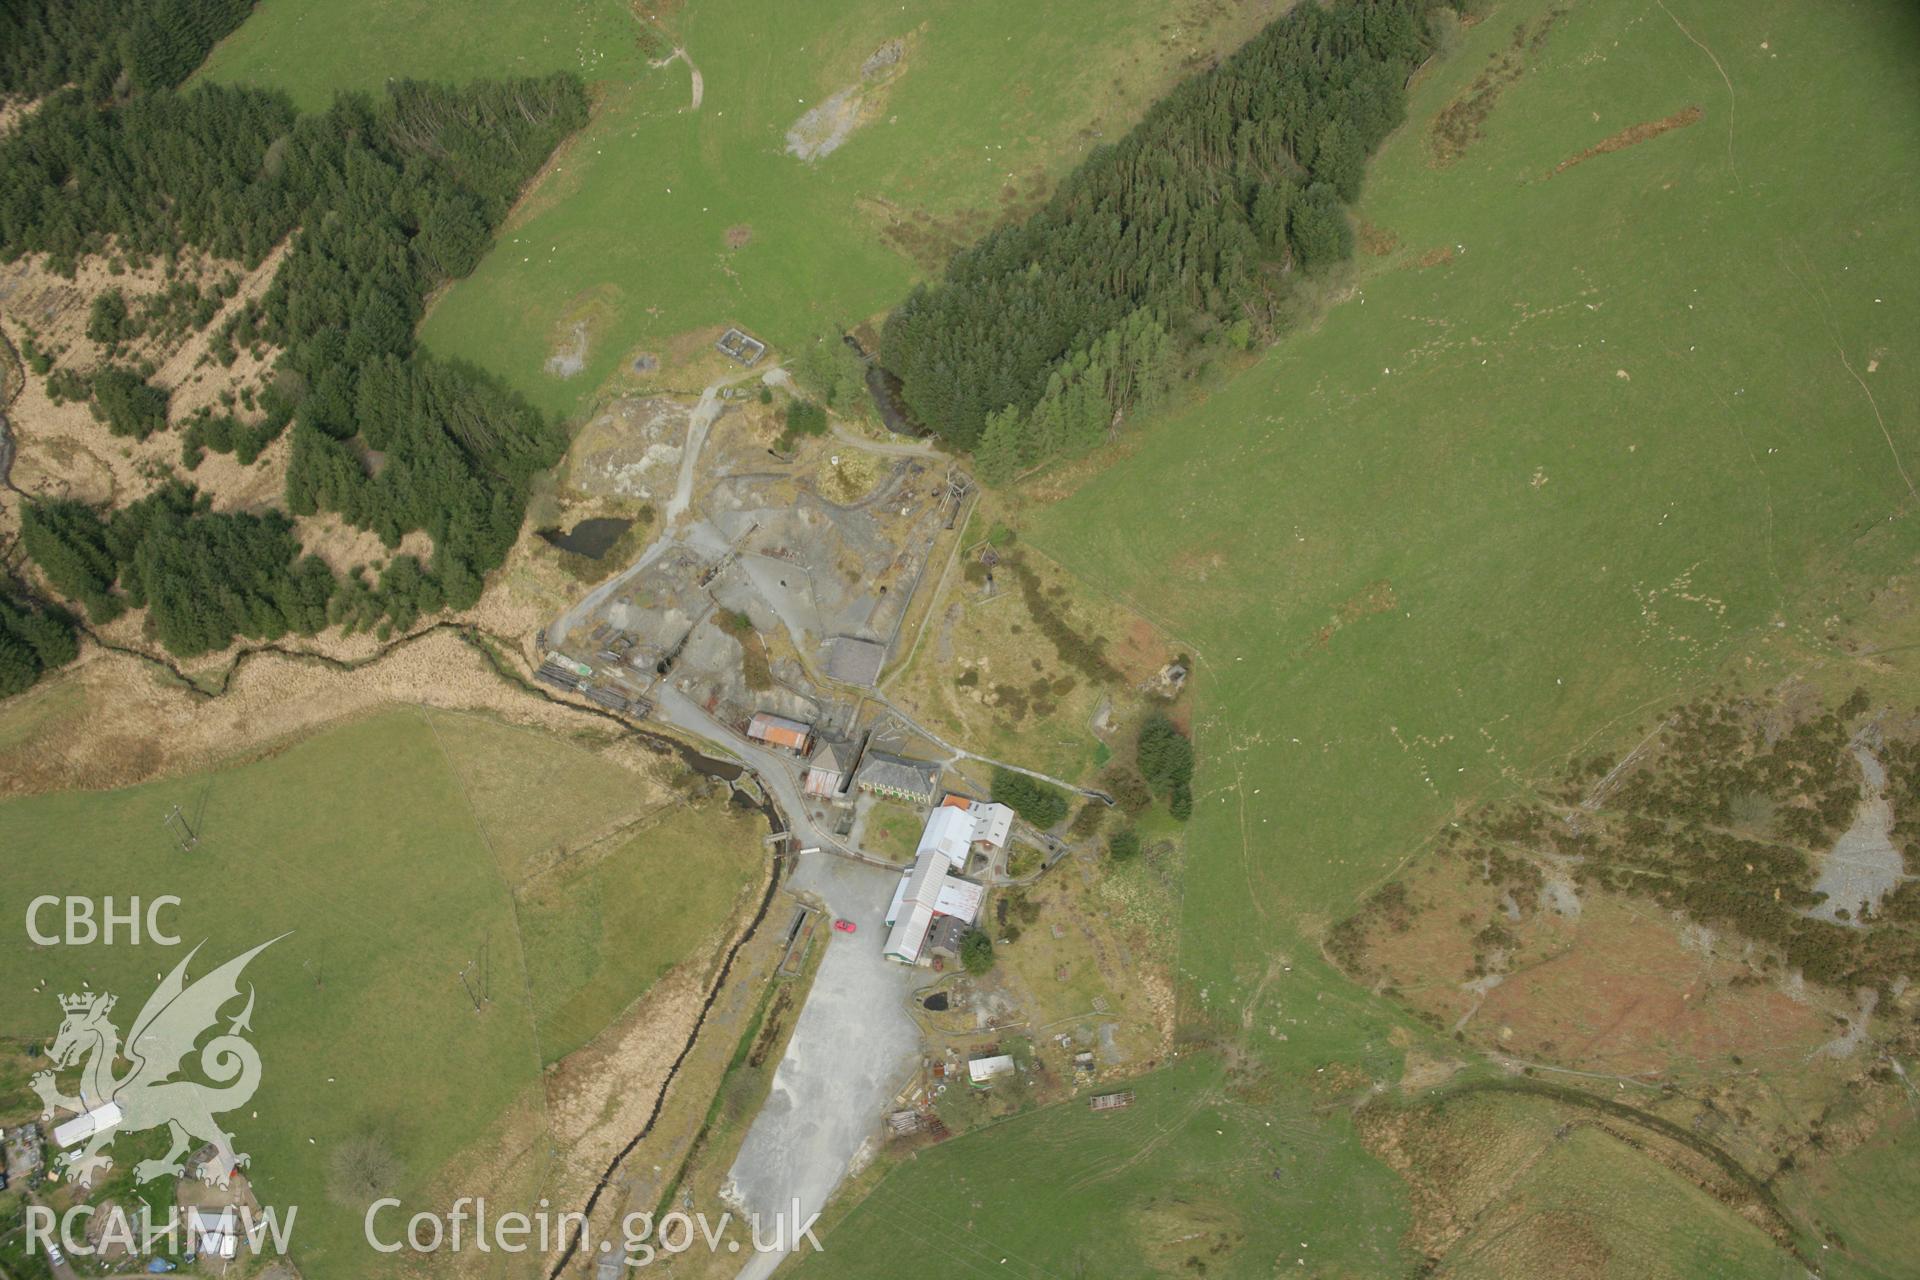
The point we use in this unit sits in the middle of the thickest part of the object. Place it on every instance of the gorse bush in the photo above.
(1040, 803)
(976, 952)
(1165, 758)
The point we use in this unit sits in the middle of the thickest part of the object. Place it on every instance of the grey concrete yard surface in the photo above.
(852, 1049)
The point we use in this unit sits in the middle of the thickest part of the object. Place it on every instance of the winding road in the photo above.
(854, 1042)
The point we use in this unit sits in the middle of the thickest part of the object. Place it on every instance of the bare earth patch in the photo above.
(1377, 598)
(631, 449)
(62, 451)
(1375, 241)
(570, 353)
(13, 111)
(1459, 124)
(1632, 136)
(827, 125)
(573, 333)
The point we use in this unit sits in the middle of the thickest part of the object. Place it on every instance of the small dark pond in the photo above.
(590, 538)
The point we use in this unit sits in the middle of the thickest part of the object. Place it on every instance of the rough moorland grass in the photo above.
(536, 795)
(1598, 452)
(361, 841)
(1589, 1201)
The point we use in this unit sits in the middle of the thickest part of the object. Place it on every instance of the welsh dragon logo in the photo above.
(150, 1095)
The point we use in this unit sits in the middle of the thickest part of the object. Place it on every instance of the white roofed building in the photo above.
(913, 913)
(928, 892)
(991, 823)
(81, 1127)
(981, 1071)
(961, 898)
(949, 833)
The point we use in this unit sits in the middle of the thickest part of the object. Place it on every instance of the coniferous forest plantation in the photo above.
(385, 199)
(1041, 336)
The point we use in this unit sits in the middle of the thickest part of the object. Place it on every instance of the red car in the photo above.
(844, 926)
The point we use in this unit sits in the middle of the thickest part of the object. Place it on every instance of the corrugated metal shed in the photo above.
(909, 932)
(982, 1070)
(959, 898)
(778, 730)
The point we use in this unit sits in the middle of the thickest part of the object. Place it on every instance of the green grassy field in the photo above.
(1196, 1162)
(628, 233)
(313, 50)
(1871, 1195)
(375, 847)
(993, 98)
(600, 933)
(1612, 441)
(1604, 448)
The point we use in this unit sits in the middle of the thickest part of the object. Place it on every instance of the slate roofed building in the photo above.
(829, 767)
(896, 776)
(945, 937)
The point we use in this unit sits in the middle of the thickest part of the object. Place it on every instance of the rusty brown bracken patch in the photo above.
(1628, 137)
